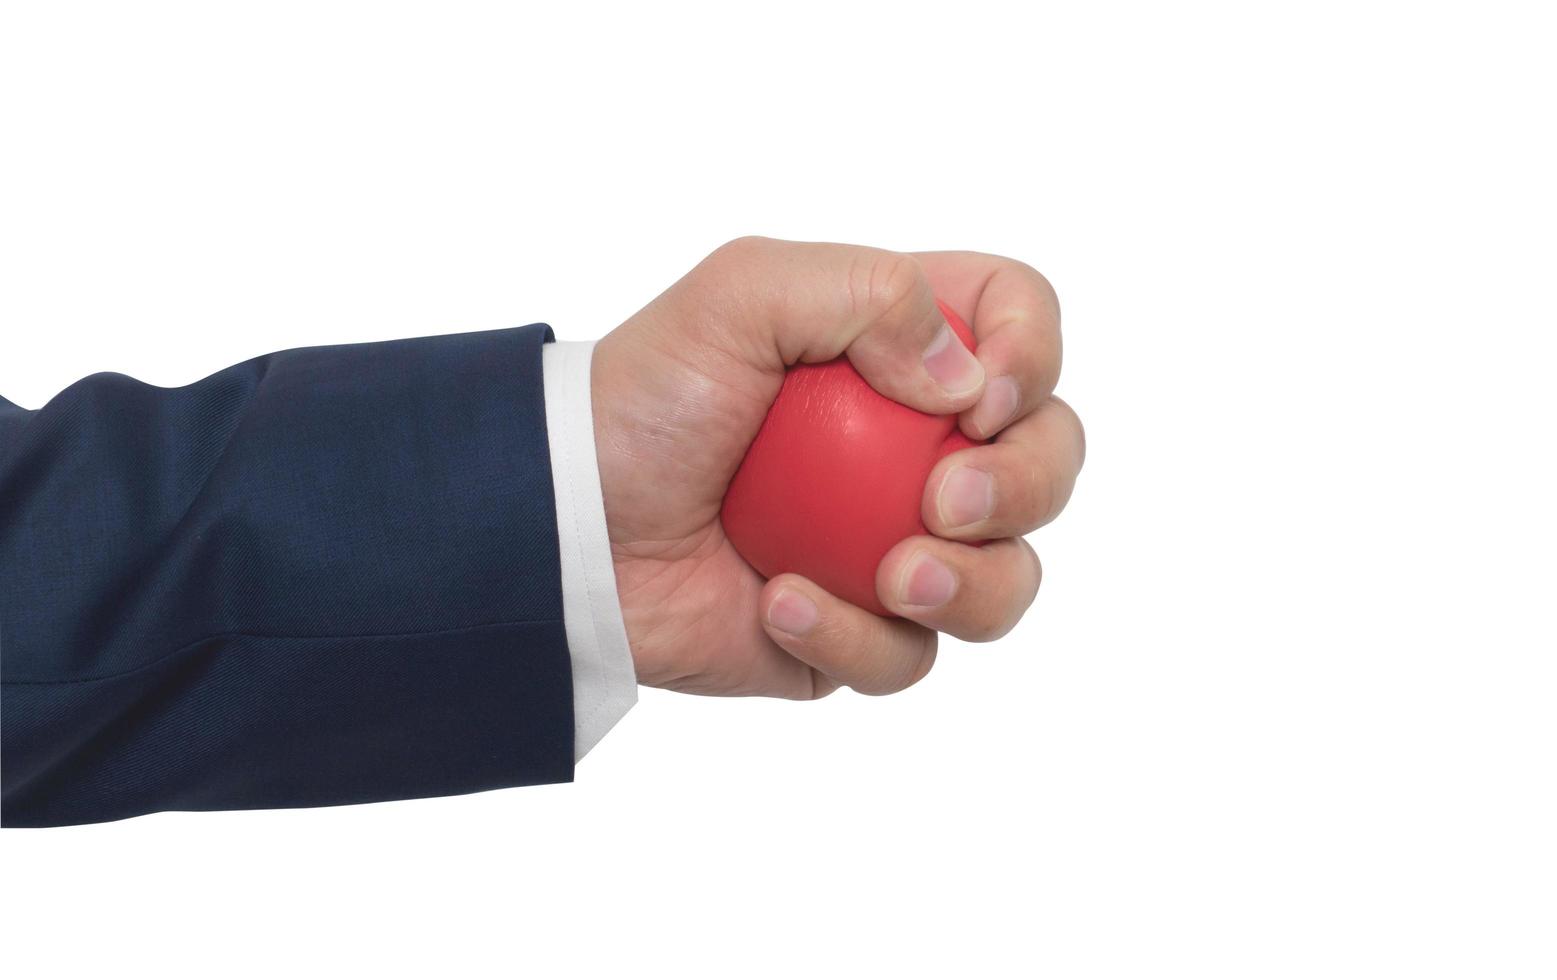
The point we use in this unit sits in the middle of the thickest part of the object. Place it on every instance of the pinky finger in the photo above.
(842, 643)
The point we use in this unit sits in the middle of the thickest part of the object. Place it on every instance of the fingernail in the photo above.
(997, 405)
(927, 582)
(792, 613)
(967, 496)
(951, 365)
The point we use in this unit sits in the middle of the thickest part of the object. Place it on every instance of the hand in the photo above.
(681, 388)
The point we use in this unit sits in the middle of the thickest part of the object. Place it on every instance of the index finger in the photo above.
(1015, 315)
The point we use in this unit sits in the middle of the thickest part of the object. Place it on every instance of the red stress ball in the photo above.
(835, 478)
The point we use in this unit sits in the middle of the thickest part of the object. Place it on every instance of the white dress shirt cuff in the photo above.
(604, 684)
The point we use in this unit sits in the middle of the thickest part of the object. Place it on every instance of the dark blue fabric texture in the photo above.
(322, 576)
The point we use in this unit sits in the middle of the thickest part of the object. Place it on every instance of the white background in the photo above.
(1287, 705)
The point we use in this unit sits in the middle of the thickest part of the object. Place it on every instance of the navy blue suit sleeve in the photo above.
(323, 576)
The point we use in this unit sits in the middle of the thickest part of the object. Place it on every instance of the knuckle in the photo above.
(995, 622)
(880, 283)
(1041, 285)
(874, 687)
(1047, 377)
(926, 659)
(739, 251)
(902, 671)
(999, 615)
(1035, 570)
(1039, 361)
(1078, 430)
(989, 625)
(1035, 579)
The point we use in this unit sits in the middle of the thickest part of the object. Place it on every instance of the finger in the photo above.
(1015, 315)
(973, 593)
(812, 302)
(842, 642)
(1011, 486)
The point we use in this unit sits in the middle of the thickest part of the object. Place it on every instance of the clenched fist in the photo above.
(681, 388)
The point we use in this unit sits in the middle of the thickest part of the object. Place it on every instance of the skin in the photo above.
(681, 388)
